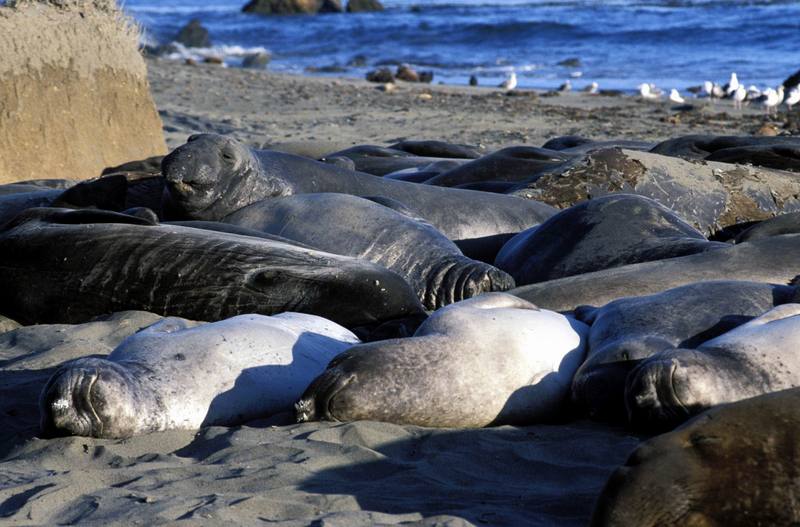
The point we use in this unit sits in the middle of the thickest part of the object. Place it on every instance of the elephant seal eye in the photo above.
(228, 156)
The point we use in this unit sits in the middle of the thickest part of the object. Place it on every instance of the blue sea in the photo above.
(619, 44)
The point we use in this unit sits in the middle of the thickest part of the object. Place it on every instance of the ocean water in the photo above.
(672, 43)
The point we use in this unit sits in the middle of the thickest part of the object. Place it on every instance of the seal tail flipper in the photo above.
(315, 404)
(463, 278)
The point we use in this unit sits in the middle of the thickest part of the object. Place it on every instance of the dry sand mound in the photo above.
(74, 96)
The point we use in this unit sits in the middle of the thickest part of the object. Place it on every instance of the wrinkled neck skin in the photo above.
(249, 185)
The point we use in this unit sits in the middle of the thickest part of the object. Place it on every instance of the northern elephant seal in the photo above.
(771, 260)
(177, 375)
(732, 465)
(609, 231)
(628, 331)
(342, 224)
(68, 266)
(512, 164)
(212, 176)
(489, 360)
(753, 359)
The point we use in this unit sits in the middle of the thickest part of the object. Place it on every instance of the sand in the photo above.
(264, 108)
(74, 96)
(326, 474)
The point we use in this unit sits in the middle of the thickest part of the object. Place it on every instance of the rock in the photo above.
(425, 96)
(214, 60)
(288, 7)
(389, 87)
(426, 77)
(194, 35)
(360, 6)
(190, 62)
(709, 195)
(256, 60)
(573, 62)
(767, 130)
(331, 6)
(406, 73)
(382, 75)
(102, 113)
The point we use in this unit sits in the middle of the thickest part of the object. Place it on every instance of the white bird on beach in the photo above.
(708, 88)
(793, 97)
(567, 86)
(739, 96)
(675, 96)
(753, 92)
(772, 99)
(732, 86)
(510, 83)
(648, 91)
(592, 89)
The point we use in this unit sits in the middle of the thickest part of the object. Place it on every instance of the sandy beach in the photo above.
(273, 472)
(264, 108)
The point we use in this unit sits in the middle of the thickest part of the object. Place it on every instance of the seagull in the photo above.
(675, 97)
(567, 86)
(739, 96)
(793, 97)
(753, 92)
(510, 83)
(648, 91)
(773, 99)
(592, 89)
(717, 91)
(732, 86)
(708, 88)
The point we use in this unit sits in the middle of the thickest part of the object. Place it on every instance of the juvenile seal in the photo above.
(771, 260)
(753, 359)
(733, 465)
(352, 226)
(69, 266)
(177, 375)
(512, 164)
(609, 231)
(489, 360)
(625, 332)
(783, 224)
(212, 176)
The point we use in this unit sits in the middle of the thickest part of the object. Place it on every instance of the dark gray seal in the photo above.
(782, 152)
(513, 164)
(342, 224)
(753, 359)
(628, 331)
(783, 224)
(212, 176)
(490, 360)
(68, 266)
(771, 260)
(380, 160)
(438, 149)
(732, 465)
(601, 233)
